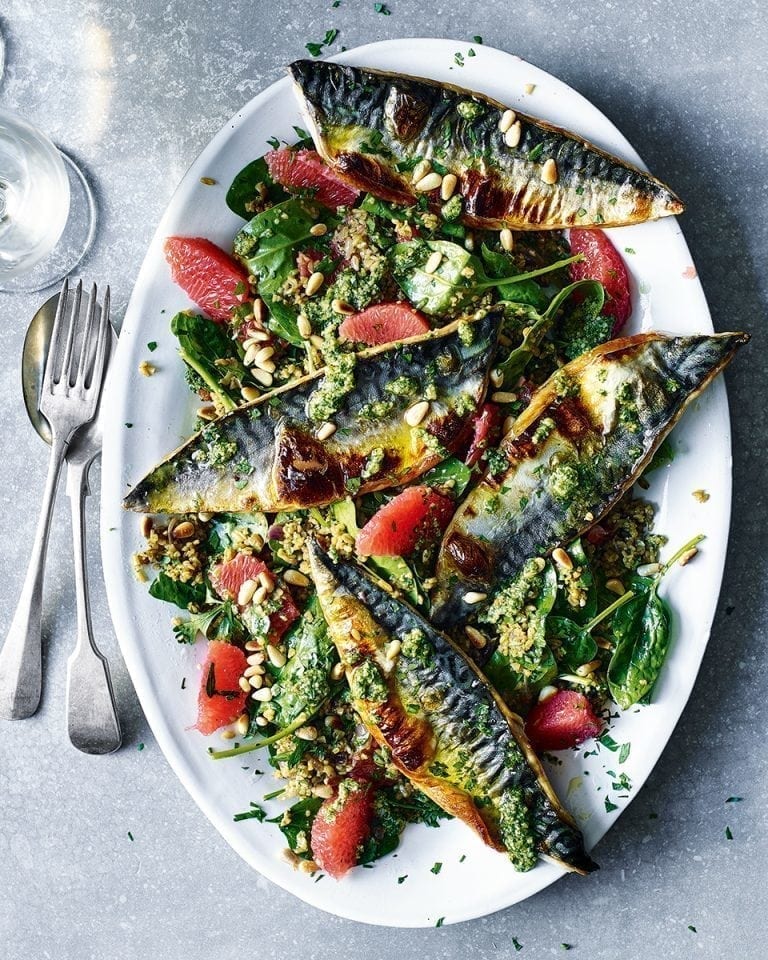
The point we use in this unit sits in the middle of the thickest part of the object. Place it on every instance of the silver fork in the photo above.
(69, 397)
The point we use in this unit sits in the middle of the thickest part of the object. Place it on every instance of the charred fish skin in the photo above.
(267, 455)
(586, 436)
(513, 170)
(441, 722)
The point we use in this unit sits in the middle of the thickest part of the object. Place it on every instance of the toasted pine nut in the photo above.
(648, 569)
(433, 262)
(323, 790)
(250, 393)
(250, 354)
(316, 341)
(341, 306)
(242, 723)
(477, 639)
(688, 556)
(265, 353)
(260, 596)
(416, 413)
(296, 579)
(393, 649)
(276, 657)
(549, 171)
(318, 230)
(507, 239)
(422, 168)
(337, 671)
(261, 721)
(253, 645)
(307, 733)
(246, 592)
(256, 680)
(506, 120)
(497, 377)
(146, 527)
(207, 412)
(509, 422)
(308, 866)
(259, 310)
(262, 376)
(256, 659)
(267, 581)
(326, 430)
(503, 396)
(615, 586)
(261, 336)
(228, 735)
(184, 530)
(314, 283)
(562, 559)
(448, 186)
(244, 685)
(475, 596)
(546, 692)
(586, 668)
(431, 182)
(288, 856)
(263, 695)
(513, 135)
(304, 326)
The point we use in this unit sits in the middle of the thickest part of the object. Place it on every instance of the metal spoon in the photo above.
(92, 721)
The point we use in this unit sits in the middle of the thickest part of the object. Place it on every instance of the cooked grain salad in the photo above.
(410, 526)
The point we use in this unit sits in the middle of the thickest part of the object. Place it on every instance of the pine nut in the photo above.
(296, 579)
(244, 685)
(260, 596)
(431, 182)
(562, 559)
(250, 393)
(475, 596)
(615, 586)
(246, 592)
(448, 186)
(304, 326)
(507, 239)
(422, 168)
(506, 120)
(207, 412)
(509, 422)
(261, 336)
(250, 354)
(146, 527)
(276, 657)
(314, 283)
(497, 377)
(688, 556)
(262, 377)
(529, 88)
(433, 262)
(513, 135)
(184, 530)
(228, 735)
(355, 634)
(252, 645)
(242, 724)
(549, 171)
(255, 659)
(648, 569)
(256, 680)
(318, 230)
(263, 695)
(502, 396)
(265, 353)
(267, 581)
(326, 430)
(341, 306)
(252, 671)
(337, 671)
(546, 692)
(307, 733)
(259, 310)
(477, 639)
(261, 721)
(308, 866)
(586, 668)
(414, 415)
(316, 341)
(323, 790)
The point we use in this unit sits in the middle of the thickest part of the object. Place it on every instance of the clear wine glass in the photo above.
(47, 210)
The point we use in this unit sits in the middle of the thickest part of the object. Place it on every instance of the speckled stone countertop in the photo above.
(134, 91)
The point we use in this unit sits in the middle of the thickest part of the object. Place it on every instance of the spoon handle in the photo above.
(21, 670)
(92, 721)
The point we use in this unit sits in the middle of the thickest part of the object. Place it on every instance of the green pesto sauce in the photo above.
(338, 382)
(402, 386)
(469, 109)
(215, 449)
(545, 426)
(416, 646)
(466, 333)
(516, 829)
(368, 684)
(563, 482)
(451, 210)
(373, 463)
(514, 612)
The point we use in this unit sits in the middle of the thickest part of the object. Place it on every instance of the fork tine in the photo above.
(101, 342)
(54, 345)
(74, 318)
(86, 345)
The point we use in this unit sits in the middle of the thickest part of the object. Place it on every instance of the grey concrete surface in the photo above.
(135, 90)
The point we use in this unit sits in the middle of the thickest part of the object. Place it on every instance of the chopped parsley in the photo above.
(728, 833)
(610, 807)
(436, 868)
(382, 8)
(152, 345)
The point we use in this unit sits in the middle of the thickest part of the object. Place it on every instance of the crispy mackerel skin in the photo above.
(272, 459)
(371, 127)
(586, 436)
(445, 728)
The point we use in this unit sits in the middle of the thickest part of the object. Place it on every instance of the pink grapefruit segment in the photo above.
(383, 323)
(220, 700)
(416, 515)
(305, 170)
(209, 276)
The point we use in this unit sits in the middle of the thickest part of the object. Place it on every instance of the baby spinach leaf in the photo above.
(458, 278)
(572, 644)
(298, 826)
(452, 471)
(663, 456)
(218, 622)
(208, 351)
(584, 326)
(246, 187)
(174, 591)
(517, 291)
(641, 631)
(563, 608)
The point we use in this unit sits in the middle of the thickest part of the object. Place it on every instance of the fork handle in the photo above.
(21, 655)
(92, 721)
